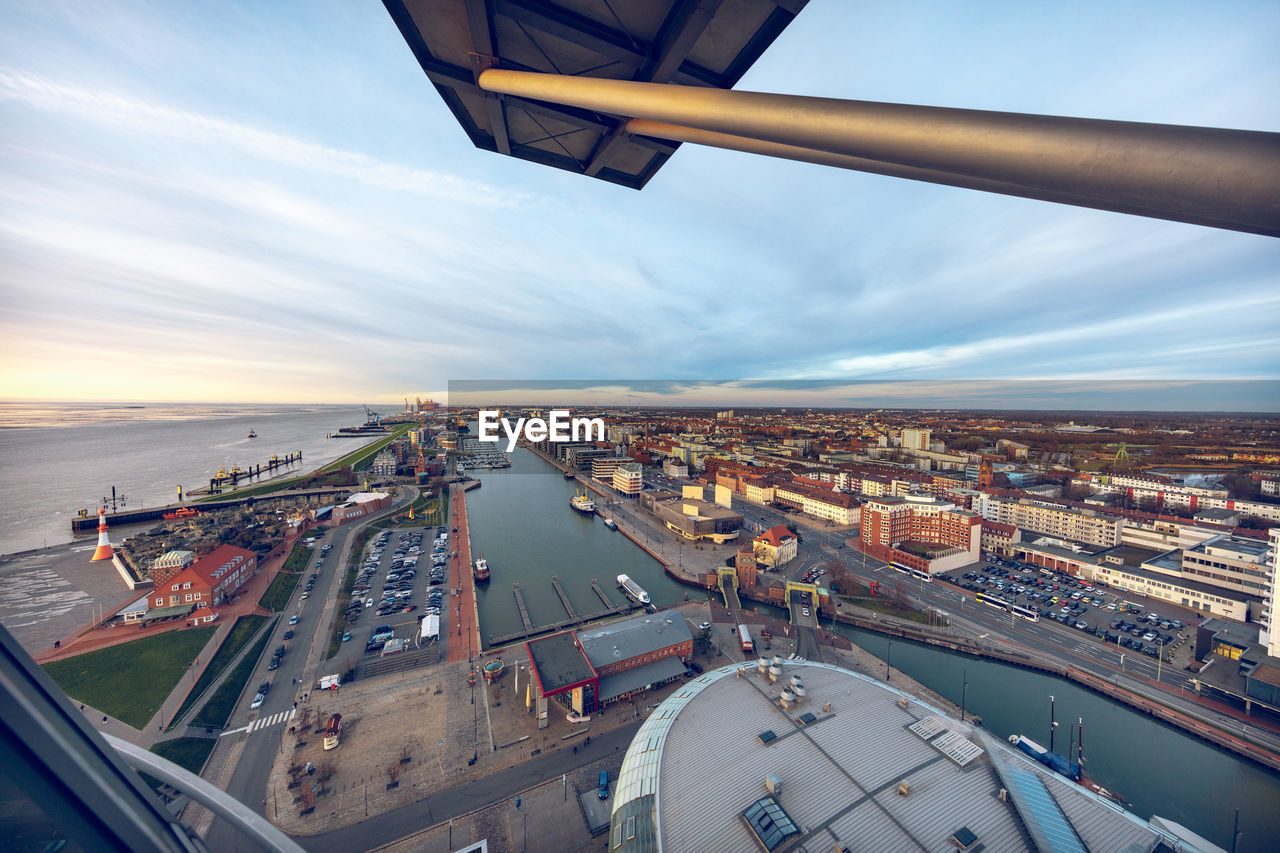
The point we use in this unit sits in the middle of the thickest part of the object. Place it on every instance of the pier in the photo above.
(564, 599)
(551, 627)
(524, 611)
(86, 523)
(600, 592)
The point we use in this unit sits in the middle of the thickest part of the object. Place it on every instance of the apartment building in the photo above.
(1064, 522)
(628, 479)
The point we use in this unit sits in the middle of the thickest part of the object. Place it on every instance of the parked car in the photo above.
(288, 635)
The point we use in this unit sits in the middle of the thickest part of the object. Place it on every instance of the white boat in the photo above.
(583, 504)
(633, 589)
(611, 524)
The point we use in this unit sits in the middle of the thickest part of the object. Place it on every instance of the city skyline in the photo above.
(272, 204)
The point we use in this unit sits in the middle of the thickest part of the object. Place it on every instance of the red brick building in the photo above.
(197, 590)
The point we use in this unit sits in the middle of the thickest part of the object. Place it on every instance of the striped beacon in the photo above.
(103, 551)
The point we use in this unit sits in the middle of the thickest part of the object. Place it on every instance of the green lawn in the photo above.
(131, 680)
(218, 708)
(189, 753)
(277, 594)
(240, 635)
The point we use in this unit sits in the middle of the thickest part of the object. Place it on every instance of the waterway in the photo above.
(521, 522)
(59, 458)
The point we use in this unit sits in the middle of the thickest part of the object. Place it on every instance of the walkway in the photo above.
(465, 616)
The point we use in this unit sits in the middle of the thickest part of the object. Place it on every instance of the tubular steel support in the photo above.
(1206, 176)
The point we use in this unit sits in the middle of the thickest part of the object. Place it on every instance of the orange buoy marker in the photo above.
(103, 551)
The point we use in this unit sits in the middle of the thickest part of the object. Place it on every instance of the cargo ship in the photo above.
(633, 589)
(481, 571)
(583, 504)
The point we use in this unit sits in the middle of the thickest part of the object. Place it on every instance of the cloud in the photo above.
(128, 112)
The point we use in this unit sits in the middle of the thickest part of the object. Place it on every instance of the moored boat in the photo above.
(611, 524)
(568, 475)
(481, 570)
(633, 590)
(181, 512)
(252, 434)
(583, 504)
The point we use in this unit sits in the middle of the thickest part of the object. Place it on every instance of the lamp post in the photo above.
(888, 656)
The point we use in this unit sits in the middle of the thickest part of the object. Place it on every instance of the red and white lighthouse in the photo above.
(103, 551)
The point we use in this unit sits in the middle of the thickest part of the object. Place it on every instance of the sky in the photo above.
(269, 202)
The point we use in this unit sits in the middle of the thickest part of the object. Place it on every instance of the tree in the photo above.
(393, 773)
(325, 771)
(308, 798)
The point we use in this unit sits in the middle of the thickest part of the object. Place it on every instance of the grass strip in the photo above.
(241, 633)
(130, 681)
(215, 712)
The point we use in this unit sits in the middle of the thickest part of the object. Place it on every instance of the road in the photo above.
(248, 779)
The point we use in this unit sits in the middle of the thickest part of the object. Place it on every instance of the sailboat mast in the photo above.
(1052, 724)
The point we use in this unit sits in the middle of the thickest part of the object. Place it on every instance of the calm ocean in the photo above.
(58, 458)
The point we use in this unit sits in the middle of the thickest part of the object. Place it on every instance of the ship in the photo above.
(1064, 766)
(583, 504)
(568, 475)
(481, 571)
(633, 589)
(611, 524)
(252, 434)
(183, 512)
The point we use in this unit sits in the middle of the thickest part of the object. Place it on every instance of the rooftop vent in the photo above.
(773, 782)
(963, 838)
(775, 672)
(767, 736)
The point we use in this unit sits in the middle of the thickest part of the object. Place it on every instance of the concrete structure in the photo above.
(693, 518)
(602, 468)
(628, 479)
(916, 439)
(954, 534)
(590, 669)
(195, 591)
(775, 547)
(1269, 636)
(359, 505)
(1066, 522)
(811, 756)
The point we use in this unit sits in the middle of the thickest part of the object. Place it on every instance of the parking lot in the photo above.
(1035, 593)
(402, 580)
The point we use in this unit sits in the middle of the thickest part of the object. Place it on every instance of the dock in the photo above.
(564, 599)
(600, 592)
(524, 611)
(551, 627)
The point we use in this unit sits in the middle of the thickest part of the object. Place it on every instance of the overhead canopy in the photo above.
(708, 43)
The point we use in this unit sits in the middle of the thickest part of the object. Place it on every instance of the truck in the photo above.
(744, 637)
(430, 629)
(329, 682)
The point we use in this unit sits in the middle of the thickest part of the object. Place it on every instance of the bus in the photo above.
(992, 601)
(898, 567)
(744, 637)
(332, 731)
(1026, 613)
(922, 575)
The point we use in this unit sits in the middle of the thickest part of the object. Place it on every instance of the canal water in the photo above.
(521, 522)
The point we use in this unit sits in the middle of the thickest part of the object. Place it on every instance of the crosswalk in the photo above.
(263, 722)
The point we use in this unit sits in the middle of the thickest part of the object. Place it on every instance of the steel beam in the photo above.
(1207, 176)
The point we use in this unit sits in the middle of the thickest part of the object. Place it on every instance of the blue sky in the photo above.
(268, 202)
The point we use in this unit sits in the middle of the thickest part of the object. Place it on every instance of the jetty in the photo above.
(600, 592)
(564, 599)
(552, 627)
(524, 611)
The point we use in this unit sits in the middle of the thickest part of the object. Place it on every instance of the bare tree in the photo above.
(308, 797)
(325, 771)
(295, 775)
(393, 772)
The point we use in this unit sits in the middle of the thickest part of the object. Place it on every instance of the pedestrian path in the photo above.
(263, 722)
